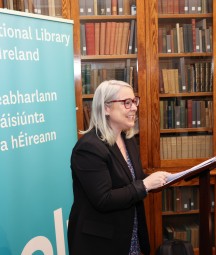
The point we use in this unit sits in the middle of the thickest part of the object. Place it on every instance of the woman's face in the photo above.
(121, 118)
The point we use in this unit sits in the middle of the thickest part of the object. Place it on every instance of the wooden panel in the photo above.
(77, 63)
(141, 58)
(152, 84)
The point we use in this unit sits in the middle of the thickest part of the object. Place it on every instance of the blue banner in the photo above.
(37, 133)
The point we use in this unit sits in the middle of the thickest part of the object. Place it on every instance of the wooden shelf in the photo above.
(185, 16)
(108, 57)
(107, 17)
(189, 94)
(185, 130)
(180, 55)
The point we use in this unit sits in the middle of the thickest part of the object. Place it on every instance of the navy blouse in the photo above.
(135, 247)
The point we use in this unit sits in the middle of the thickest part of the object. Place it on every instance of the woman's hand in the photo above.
(156, 180)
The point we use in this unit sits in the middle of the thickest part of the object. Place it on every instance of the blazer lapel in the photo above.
(117, 154)
(134, 158)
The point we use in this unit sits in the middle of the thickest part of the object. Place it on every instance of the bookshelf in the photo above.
(181, 83)
(55, 8)
(100, 64)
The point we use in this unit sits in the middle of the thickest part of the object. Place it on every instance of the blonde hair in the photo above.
(106, 92)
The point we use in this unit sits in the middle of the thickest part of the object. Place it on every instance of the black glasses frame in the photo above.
(128, 102)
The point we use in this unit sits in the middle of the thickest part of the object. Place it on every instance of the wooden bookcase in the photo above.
(170, 57)
(149, 60)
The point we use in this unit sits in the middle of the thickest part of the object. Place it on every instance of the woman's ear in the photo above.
(107, 110)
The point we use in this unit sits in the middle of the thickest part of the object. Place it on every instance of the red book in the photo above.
(97, 38)
(102, 37)
(90, 38)
(181, 6)
(189, 113)
(108, 38)
(112, 37)
(114, 7)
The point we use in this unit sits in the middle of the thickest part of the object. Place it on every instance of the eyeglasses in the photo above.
(128, 102)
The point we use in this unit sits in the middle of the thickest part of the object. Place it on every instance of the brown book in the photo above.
(102, 37)
(164, 6)
(30, 6)
(189, 113)
(175, 7)
(108, 38)
(126, 7)
(170, 7)
(112, 37)
(116, 37)
(165, 81)
(184, 147)
(173, 147)
(181, 6)
(119, 38)
(114, 7)
(1, 3)
(90, 38)
(193, 22)
(87, 115)
(97, 38)
(124, 41)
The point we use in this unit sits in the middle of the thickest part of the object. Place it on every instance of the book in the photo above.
(101, 7)
(82, 7)
(126, 7)
(90, 38)
(120, 7)
(89, 7)
(112, 37)
(83, 39)
(125, 34)
(173, 178)
(114, 5)
(97, 38)
(102, 37)
(95, 7)
(108, 38)
(108, 7)
(131, 39)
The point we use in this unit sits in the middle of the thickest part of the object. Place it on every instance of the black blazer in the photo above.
(105, 197)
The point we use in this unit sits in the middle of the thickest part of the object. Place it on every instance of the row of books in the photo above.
(186, 113)
(182, 198)
(184, 6)
(44, 7)
(192, 77)
(92, 77)
(183, 147)
(186, 232)
(108, 38)
(87, 105)
(188, 37)
(106, 7)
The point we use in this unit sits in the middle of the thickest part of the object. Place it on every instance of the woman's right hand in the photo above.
(156, 180)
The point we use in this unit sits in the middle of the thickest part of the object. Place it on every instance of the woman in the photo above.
(107, 216)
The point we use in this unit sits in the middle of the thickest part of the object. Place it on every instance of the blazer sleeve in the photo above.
(90, 166)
